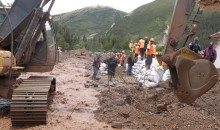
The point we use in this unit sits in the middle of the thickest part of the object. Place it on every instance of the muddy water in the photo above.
(73, 104)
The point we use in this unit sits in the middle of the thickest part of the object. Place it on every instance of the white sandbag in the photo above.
(141, 62)
(166, 75)
(154, 63)
(148, 84)
(139, 57)
(141, 81)
(104, 72)
(126, 67)
(155, 75)
(103, 67)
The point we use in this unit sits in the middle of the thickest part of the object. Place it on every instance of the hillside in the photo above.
(90, 20)
(148, 20)
(152, 20)
(209, 24)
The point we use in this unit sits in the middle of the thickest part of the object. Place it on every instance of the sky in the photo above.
(62, 6)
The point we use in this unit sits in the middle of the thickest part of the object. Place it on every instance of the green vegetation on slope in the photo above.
(90, 20)
(210, 23)
(148, 20)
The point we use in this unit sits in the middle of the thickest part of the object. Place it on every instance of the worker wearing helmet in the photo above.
(150, 52)
(194, 46)
(210, 52)
(141, 45)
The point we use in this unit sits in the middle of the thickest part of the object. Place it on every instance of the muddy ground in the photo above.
(82, 104)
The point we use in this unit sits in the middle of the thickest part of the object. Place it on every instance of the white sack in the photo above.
(166, 75)
(103, 67)
(154, 63)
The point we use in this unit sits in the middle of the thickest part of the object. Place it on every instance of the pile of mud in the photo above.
(134, 107)
(79, 53)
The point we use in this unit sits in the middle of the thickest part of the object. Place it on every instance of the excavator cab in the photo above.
(192, 74)
(27, 42)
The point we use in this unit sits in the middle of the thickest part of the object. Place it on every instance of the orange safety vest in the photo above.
(152, 50)
(137, 49)
(141, 43)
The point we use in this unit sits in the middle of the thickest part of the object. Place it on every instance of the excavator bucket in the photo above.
(192, 75)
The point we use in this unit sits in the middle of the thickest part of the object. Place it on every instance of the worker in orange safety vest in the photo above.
(141, 44)
(150, 52)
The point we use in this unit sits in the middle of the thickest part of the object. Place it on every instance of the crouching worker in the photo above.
(95, 66)
(130, 61)
(112, 64)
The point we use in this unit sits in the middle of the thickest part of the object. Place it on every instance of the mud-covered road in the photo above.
(81, 104)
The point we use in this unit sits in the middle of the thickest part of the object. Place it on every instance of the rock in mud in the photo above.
(116, 125)
(87, 85)
(96, 85)
(87, 74)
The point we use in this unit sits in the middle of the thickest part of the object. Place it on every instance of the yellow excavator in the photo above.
(27, 44)
(192, 74)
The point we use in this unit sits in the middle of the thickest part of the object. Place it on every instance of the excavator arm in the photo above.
(192, 75)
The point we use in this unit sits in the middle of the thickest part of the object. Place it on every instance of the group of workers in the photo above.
(112, 62)
(146, 48)
(209, 52)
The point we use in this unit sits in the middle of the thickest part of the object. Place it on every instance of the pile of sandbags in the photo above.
(151, 77)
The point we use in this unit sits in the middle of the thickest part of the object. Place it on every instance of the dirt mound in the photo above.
(79, 53)
(155, 108)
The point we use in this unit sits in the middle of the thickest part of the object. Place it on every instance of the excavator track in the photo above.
(30, 101)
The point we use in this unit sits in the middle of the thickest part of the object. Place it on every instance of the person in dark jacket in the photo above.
(194, 46)
(112, 63)
(145, 45)
(130, 61)
(95, 66)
